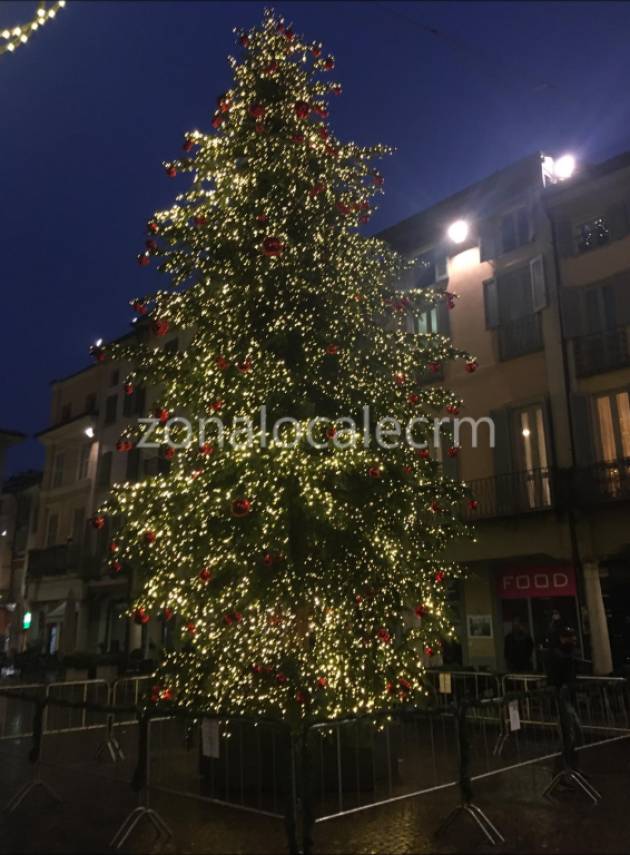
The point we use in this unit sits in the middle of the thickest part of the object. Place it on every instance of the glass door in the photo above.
(613, 428)
(534, 490)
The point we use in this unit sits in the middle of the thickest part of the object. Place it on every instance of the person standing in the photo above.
(518, 647)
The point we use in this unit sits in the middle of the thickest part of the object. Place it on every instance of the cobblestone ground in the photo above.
(94, 804)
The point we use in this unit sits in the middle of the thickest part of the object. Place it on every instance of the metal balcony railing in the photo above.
(511, 494)
(520, 337)
(603, 482)
(603, 351)
(54, 560)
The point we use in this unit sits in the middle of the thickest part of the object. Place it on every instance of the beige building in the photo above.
(76, 604)
(550, 518)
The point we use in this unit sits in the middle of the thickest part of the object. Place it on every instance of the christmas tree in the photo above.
(305, 570)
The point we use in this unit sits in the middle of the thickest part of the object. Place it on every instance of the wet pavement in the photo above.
(96, 800)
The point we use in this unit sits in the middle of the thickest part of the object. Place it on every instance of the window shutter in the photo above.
(491, 303)
(487, 241)
(571, 307)
(584, 449)
(617, 219)
(539, 288)
(502, 452)
(564, 238)
(443, 320)
(133, 464)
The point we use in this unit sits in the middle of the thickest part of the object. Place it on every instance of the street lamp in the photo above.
(458, 231)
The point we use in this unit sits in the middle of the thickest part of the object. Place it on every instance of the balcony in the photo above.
(61, 559)
(520, 337)
(603, 482)
(600, 352)
(511, 495)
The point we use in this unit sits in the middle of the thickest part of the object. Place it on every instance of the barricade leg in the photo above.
(141, 783)
(111, 747)
(36, 782)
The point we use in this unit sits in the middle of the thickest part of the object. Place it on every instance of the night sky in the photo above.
(96, 100)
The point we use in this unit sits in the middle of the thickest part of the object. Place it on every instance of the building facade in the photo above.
(550, 494)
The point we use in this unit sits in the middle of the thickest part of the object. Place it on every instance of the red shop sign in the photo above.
(519, 582)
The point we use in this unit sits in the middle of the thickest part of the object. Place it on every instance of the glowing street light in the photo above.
(564, 167)
(89, 431)
(458, 231)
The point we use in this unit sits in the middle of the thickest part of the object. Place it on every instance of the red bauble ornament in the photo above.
(473, 504)
(404, 684)
(167, 614)
(140, 616)
(162, 414)
(169, 453)
(188, 144)
(452, 409)
(423, 453)
(439, 576)
(149, 536)
(331, 433)
(322, 682)
(384, 635)
(216, 406)
(408, 470)
(374, 472)
(297, 138)
(223, 104)
(206, 449)
(434, 367)
(300, 697)
(115, 566)
(113, 547)
(378, 179)
(323, 133)
(241, 507)
(435, 507)
(98, 521)
(260, 128)
(428, 650)
(160, 326)
(222, 363)
(271, 67)
(262, 218)
(363, 219)
(143, 259)
(151, 245)
(205, 574)
(399, 378)
(124, 445)
(272, 246)
(289, 35)
(267, 559)
(244, 40)
(316, 51)
(343, 208)
(420, 611)
(329, 63)
(453, 451)
(302, 109)
(413, 398)
(139, 307)
(331, 150)
(153, 227)
(280, 677)
(336, 89)
(216, 121)
(472, 366)
(245, 367)
(191, 629)
(316, 189)
(171, 171)
(332, 349)
(256, 111)
(200, 220)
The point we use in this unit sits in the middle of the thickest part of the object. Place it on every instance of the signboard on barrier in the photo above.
(210, 738)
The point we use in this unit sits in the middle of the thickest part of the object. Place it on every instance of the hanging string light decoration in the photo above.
(303, 579)
(18, 35)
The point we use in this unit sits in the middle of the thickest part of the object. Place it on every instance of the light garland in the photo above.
(14, 37)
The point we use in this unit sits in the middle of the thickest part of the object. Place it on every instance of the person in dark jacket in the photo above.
(562, 660)
(518, 647)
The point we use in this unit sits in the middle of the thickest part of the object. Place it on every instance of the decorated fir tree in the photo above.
(306, 578)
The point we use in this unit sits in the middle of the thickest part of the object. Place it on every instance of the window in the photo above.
(425, 322)
(57, 475)
(90, 403)
(111, 408)
(134, 404)
(512, 304)
(52, 529)
(491, 303)
(133, 464)
(515, 229)
(431, 267)
(532, 458)
(78, 526)
(592, 234)
(84, 461)
(66, 412)
(115, 377)
(171, 346)
(613, 422)
(104, 469)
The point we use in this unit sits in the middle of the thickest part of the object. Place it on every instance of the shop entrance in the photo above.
(530, 596)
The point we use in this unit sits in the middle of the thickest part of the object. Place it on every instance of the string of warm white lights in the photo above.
(14, 37)
(303, 582)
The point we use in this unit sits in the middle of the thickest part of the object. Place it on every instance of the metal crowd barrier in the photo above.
(325, 769)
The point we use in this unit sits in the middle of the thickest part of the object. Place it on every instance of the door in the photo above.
(612, 413)
(530, 442)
